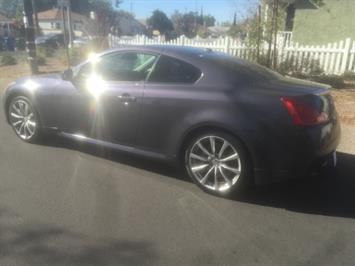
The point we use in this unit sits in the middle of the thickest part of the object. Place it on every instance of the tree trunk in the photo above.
(36, 23)
(30, 36)
(275, 34)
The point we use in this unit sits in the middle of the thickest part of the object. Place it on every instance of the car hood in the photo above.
(54, 77)
(39, 81)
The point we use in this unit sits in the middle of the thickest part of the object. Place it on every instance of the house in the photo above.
(331, 22)
(291, 8)
(50, 21)
(217, 31)
(310, 24)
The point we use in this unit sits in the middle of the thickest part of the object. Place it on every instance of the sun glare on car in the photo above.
(31, 85)
(95, 85)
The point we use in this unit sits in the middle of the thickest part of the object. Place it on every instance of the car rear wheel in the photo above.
(24, 119)
(218, 163)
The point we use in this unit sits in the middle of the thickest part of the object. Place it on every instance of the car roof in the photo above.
(172, 50)
(216, 66)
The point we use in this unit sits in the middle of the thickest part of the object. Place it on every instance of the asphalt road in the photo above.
(69, 204)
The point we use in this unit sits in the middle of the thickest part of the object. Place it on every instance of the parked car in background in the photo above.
(80, 41)
(53, 40)
(226, 121)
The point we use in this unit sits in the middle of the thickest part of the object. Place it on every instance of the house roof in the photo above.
(142, 21)
(218, 29)
(55, 14)
(302, 4)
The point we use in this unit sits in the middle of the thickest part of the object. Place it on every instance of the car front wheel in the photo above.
(218, 163)
(24, 119)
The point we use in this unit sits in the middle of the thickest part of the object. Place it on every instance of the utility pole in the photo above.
(30, 36)
(65, 36)
(70, 26)
(259, 35)
(37, 29)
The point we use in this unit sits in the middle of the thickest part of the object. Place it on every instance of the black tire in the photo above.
(37, 130)
(245, 177)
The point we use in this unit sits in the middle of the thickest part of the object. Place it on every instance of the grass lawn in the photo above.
(21, 69)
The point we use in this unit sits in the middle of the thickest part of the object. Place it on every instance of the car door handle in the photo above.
(126, 98)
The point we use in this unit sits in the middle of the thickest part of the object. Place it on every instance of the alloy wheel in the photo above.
(23, 119)
(215, 163)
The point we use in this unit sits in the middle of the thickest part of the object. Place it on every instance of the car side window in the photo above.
(130, 66)
(172, 70)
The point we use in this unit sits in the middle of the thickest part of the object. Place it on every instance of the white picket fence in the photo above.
(333, 58)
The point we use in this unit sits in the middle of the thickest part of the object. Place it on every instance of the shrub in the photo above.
(263, 60)
(40, 60)
(45, 51)
(20, 43)
(349, 75)
(307, 66)
(332, 80)
(8, 60)
(76, 55)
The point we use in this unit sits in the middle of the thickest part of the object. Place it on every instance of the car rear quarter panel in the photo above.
(171, 112)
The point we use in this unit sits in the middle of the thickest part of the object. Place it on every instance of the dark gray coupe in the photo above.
(225, 120)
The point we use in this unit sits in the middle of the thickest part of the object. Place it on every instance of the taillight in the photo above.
(307, 110)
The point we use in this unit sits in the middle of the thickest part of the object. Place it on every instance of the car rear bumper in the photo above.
(299, 154)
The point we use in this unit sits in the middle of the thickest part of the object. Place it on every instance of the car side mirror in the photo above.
(68, 75)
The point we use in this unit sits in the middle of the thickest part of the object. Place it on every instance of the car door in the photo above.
(107, 98)
(168, 96)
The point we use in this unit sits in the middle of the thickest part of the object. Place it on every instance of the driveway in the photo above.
(69, 204)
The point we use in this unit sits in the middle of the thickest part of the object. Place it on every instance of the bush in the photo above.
(332, 80)
(45, 51)
(349, 75)
(307, 67)
(76, 55)
(40, 60)
(263, 60)
(20, 43)
(8, 60)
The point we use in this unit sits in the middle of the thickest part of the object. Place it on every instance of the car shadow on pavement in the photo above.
(41, 244)
(153, 165)
(332, 196)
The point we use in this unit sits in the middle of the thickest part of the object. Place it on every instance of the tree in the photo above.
(177, 20)
(103, 23)
(159, 21)
(209, 21)
(191, 23)
(11, 7)
(236, 31)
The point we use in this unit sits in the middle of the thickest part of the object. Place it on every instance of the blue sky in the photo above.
(222, 10)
